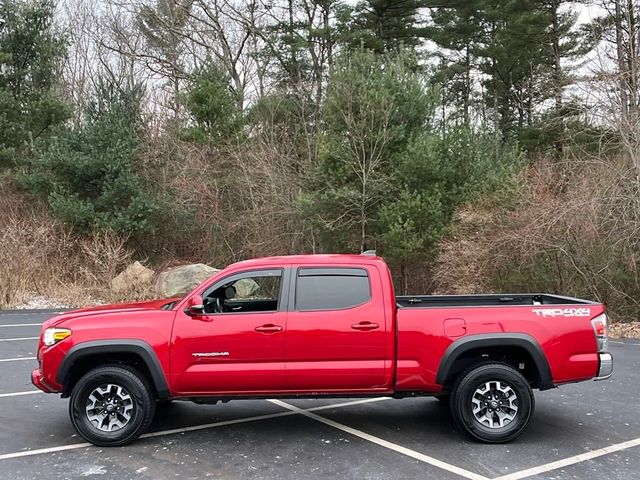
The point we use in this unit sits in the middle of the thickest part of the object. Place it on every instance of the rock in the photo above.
(134, 276)
(245, 288)
(181, 280)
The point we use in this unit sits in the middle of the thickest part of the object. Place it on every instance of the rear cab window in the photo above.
(336, 288)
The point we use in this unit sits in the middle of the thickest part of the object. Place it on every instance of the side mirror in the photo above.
(195, 306)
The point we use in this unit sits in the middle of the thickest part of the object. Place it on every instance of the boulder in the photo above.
(133, 277)
(180, 280)
(246, 287)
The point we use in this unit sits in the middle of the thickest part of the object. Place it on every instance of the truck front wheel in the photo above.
(111, 406)
(493, 403)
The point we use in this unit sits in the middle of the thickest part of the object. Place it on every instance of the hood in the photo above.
(113, 308)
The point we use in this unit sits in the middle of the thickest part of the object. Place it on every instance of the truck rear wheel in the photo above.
(493, 403)
(111, 406)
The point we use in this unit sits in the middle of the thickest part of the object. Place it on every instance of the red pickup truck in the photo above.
(318, 326)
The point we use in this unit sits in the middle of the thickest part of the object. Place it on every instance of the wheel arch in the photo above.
(511, 343)
(137, 353)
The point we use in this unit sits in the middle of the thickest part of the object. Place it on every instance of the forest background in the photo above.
(478, 145)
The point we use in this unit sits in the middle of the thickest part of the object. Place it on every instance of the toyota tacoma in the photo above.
(319, 326)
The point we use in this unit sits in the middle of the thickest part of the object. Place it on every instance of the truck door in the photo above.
(237, 344)
(336, 330)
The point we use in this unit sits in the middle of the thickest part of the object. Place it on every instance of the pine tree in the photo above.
(87, 174)
(456, 29)
(519, 48)
(384, 25)
(162, 26)
(30, 54)
(386, 178)
(300, 45)
(564, 43)
(212, 106)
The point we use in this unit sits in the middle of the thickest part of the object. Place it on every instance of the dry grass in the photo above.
(570, 228)
(39, 256)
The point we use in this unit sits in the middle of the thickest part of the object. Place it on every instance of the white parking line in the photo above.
(583, 457)
(288, 412)
(16, 359)
(21, 325)
(384, 443)
(19, 394)
(28, 453)
(18, 339)
(346, 404)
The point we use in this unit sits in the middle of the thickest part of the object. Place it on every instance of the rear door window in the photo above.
(331, 288)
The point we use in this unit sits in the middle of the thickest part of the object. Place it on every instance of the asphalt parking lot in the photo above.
(587, 430)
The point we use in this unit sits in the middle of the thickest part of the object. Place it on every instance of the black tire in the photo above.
(140, 403)
(469, 386)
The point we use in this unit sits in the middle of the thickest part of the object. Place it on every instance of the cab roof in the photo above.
(315, 259)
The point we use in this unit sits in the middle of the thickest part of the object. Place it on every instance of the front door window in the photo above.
(253, 292)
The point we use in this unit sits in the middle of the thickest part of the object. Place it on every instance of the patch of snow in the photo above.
(37, 302)
(40, 302)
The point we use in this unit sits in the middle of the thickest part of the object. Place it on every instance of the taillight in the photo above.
(599, 325)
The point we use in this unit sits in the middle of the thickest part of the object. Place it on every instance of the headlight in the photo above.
(54, 335)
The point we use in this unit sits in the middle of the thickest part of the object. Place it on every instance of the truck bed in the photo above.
(507, 299)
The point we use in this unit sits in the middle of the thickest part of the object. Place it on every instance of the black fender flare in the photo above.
(492, 340)
(137, 347)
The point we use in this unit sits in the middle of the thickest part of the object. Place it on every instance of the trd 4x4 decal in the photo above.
(562, 312)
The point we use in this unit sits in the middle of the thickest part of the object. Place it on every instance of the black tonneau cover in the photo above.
(506, 299)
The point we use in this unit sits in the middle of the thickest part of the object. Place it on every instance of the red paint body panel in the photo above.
(325, 353)
(568, 342)
(256, 362)
(315, 352)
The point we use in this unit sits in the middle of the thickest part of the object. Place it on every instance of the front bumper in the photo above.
(605, 369)
(36, 379)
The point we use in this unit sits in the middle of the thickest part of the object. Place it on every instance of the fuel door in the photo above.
(455, 327)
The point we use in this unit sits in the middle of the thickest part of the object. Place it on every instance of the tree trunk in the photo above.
(632, 58)
(624, 98)
(467, 86)
(404, 278)
(558, 74)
